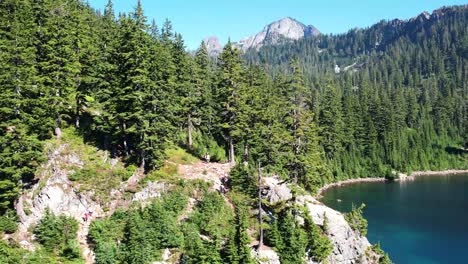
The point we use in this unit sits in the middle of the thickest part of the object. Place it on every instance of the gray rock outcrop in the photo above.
(265, 256)
(57, 193)
(213, 46)
(276, 191)
(275, 33)
(284, 29)
(349, 247)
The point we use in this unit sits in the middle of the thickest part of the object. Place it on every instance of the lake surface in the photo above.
(420, 221)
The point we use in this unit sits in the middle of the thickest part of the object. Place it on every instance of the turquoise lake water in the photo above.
(420, 221)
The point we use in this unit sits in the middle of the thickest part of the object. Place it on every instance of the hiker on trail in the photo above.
(86, 216)
(207, 157)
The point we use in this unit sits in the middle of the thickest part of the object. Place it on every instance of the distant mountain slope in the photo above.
(275, 33)
(284, 29)
(213, 46)
(443, 29)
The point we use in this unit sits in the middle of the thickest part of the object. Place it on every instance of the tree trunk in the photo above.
(260, 220)
(77, 117)
(232, 159)
(106, 142)
(246, 152)
(124, 128)
(143, 162)
(58, 131)
(189, 132)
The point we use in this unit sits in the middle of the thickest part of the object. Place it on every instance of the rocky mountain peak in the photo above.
(213, 46)
(274, 33)
(284, 29)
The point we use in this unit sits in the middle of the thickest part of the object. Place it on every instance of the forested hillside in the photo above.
(130, 88)
(389, 97)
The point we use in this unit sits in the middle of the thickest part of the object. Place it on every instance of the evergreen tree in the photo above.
(330, 121)
(230, 83)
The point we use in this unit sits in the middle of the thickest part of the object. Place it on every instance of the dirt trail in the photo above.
(213, 172)
(83, 230)
(58, 193)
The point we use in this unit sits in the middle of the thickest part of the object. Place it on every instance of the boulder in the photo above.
(265, 256)
(276, 190)
(348, 246)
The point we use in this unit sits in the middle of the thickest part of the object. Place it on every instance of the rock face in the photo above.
(152, 190)
(284, 29)
(277, 191)
(266, 256)
(348, 246)
(274, 33)
(213, 46)
(58, 194)
(64, 197)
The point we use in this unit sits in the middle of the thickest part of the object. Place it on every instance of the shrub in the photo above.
(58, 234)
(212, 215)
(383, 257)
(319, 244)
(356, 221)
(179, 156)
(8, 222)
(166, 172)
(203, 144)
(10, 254)
(125, 173)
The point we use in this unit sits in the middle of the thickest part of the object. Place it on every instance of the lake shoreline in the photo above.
(401, 177)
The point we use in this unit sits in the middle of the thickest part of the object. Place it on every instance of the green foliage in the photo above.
(288, 237)
(383, 257)
(212, 216)
(179, 156)
(139, 235)
(356, 220)
(198, 250)
(166, 172)
(58, 234)
(105, 234)
(320, 246)
(8, 222)
(238, 245)
(243, 179)
(293, 241)
(396, 107)
(203, 143)
(10, 254)
(133, 91)
(97, 173)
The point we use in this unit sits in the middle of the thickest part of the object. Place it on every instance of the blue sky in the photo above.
(197, 19)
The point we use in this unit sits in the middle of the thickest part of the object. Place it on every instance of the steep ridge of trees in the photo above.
(132, 89)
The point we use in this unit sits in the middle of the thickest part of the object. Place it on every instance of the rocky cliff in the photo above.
(55, 191)
(275, 33)
(284, 29)
(213, 46)
(348, 246)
